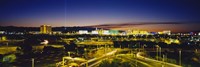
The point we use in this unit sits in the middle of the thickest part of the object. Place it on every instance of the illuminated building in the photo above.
(105, 32)
(114, 32)
(3, 38)
(2, 32)
(45, 29)
(100, 32)
(83, 32)
(160, 32)
(34, 32)
(137, 32)
(170, 41)
(94, 32)
(56, 32)
(168, 32)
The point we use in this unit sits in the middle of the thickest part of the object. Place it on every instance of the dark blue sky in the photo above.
(97, 12)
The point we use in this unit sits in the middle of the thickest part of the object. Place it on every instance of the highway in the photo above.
(136, 60)
(153, 62)
(140, 61)
(96, 61)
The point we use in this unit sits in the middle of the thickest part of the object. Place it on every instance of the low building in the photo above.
(168, 32)
(113, 32)
(94, 32)
(137, 32)
(83, 32)
(2, 32)
(57, 32)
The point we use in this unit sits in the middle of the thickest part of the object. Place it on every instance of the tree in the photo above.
(115, 63)
(105, 63)
(125, 64)
(70, 47)
(25, 49)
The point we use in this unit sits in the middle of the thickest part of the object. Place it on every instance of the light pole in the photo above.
(136, 59)
(105, 48)
(196, 50)
(97, 47)
(143, 47)
(7, 44)
(157, 50)
(179, 57)
(68, 53)
(163, 58)
(139, 46)
(85, 51)
(156, 53)
(86, 63)
(32, 62)
(160, 51)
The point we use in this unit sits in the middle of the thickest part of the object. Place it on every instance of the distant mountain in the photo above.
(71, 29)
(18, 29)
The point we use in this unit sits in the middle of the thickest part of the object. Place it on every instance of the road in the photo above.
(96, 61)
(153, 62)
(141, 61)
(136, 60)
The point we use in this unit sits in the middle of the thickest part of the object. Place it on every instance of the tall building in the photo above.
(45, 29)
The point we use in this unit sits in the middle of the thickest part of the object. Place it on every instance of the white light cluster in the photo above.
(83, 32)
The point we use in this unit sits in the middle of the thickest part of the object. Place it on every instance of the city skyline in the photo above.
(179, 16)
(99, 33)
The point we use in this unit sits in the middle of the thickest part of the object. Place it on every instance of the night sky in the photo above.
(151, 15)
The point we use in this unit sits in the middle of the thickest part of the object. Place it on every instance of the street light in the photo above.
(136, 59)
(7, 47)
(68, 53)
(179, 57)
(143, 47)
(157, 53)
(163, 58)
(157, 47)
(85, 51)
(160, 52)
(32, 62)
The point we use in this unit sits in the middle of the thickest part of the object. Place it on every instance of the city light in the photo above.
(99, 33)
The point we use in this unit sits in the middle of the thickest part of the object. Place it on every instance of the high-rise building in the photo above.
(45, 29)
